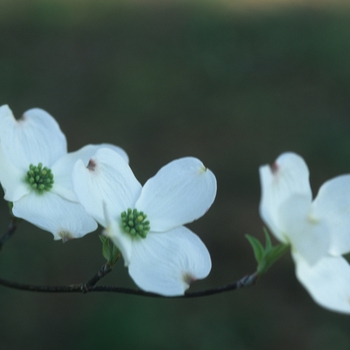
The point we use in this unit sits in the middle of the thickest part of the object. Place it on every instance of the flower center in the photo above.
(134, 222)
(39, 178)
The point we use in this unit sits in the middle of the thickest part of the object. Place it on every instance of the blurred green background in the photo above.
(232, 83)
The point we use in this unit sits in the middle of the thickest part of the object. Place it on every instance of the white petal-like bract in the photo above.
(288, 176)
(63, 218)
(63, 178)
(153, 270)
(181, 192)
(35, 137)
(333, 203)
(12, 179)
(328, 281)
(107, 180)
(307, 234)
(115, 232)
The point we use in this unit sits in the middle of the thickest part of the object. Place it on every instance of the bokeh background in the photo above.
(234, 83)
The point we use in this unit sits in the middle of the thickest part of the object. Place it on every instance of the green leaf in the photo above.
(109, 250)
(258, 249)
(268, 243)
(267, 256)
(277, 251)
(270, 258)
(103, 238)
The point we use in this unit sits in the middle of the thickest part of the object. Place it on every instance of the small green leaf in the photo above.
(267, 256)
(277, 251)
(268, 244)
(103, 238)
(257, 248)
(109, 251)
(272, 256)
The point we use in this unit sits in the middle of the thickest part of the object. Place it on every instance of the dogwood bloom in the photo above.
(35, 173)
(146, 223)
(318, 230)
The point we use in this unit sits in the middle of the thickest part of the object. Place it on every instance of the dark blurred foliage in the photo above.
(232, 88)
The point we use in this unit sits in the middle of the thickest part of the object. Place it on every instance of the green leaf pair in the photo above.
(109, 250)
(268, 255)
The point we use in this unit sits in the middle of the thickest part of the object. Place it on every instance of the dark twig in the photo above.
(244, 282)
(104, 270)
(10, 231)
(90, 286)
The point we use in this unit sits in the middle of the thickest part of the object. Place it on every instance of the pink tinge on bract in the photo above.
(274, 168)
(188, 278)
(92, 165)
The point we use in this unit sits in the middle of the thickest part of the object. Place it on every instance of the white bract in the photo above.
(318, 231)
(146, 223)
(35, 173)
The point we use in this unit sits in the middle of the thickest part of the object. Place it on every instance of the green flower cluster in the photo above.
(134, 223)
(39, 178)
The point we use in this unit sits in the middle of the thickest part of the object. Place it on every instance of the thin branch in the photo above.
(104, 270)
(244, 282)
(10, 231)
(90, 286)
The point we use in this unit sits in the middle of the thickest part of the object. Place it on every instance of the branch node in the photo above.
(84, 288)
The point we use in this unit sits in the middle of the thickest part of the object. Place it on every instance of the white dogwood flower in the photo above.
(146, 223)
(318, 230)
(35, 173)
